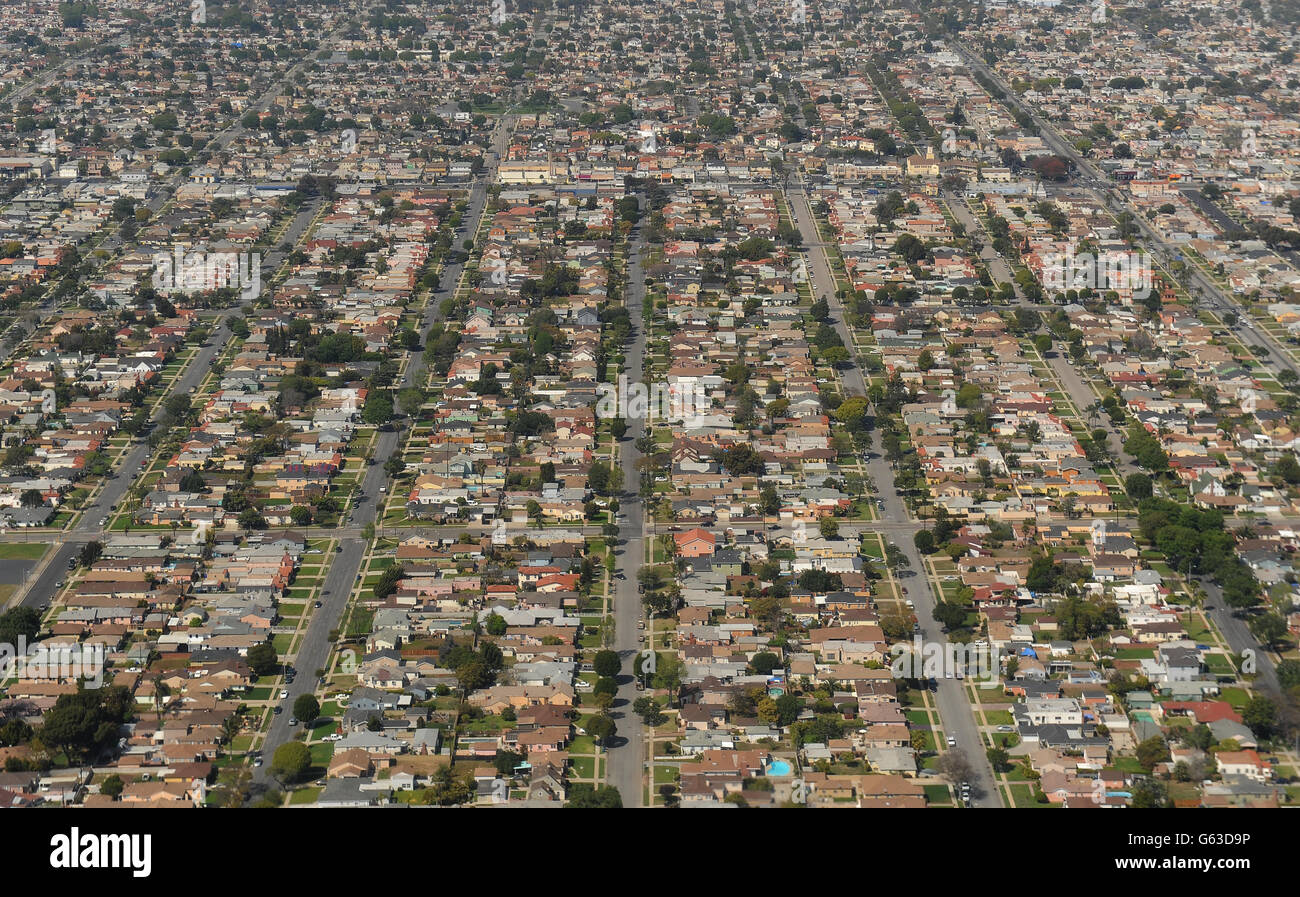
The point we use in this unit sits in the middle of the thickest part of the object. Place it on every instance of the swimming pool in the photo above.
(778, 768)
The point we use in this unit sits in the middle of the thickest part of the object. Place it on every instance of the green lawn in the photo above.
(305, 795)
(26, 551)
(938, 794)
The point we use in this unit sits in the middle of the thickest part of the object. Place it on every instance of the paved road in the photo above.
(626, 770)
(1078, 390)
(136, 459)
(954, 708)
(1237, 634)
(345, 567)
(1209, 294)
(156, 198)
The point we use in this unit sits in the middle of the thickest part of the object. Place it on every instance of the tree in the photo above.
(495, 624)
(953, 616)
(1146, 449)
(829, 527)
(1288, 674)
(112, 786)
(956, 766)
(262, 659)
(1270, 628)
(608, 663)
(764, 662)
(1260, 714)
(1287, 469)
(1149, 794)
(300, 515)
(1152, 751)
(90, 553)
(474, 674)
(589, 797)
(378, 409)
(788, 708)
(999, 759)
(291, 762)
(410, 399)
(1138, 486)
(306, 708)
(669, 670)
(388, 581)
(604, 479)
(895, 558)
(924, 541)
(19, 623)
(86, 722)
(602, 728)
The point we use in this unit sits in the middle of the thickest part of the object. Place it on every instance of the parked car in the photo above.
(284, 693)
(316, 604)
(952, 742)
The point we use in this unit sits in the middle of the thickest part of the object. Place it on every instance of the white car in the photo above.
(284, 693)
(952, 742)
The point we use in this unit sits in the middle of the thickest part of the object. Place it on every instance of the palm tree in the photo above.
(161, 692)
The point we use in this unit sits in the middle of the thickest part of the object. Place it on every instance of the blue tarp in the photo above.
(1028, 652)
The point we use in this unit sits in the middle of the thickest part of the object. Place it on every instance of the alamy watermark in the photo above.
(1249, 143)
(944, 660)
(1120, 271)
(198, 271)
(103, 851)
(661, 401)
(649, 140)
(60, 662)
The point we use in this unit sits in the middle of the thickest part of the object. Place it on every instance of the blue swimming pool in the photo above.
(778, 768)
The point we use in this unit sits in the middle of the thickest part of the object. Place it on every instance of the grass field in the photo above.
(22, 551)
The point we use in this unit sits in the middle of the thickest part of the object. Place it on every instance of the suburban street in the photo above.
(627, 755)
(55, 568)
(1095, 184)
(954, 708)
(345, 566)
